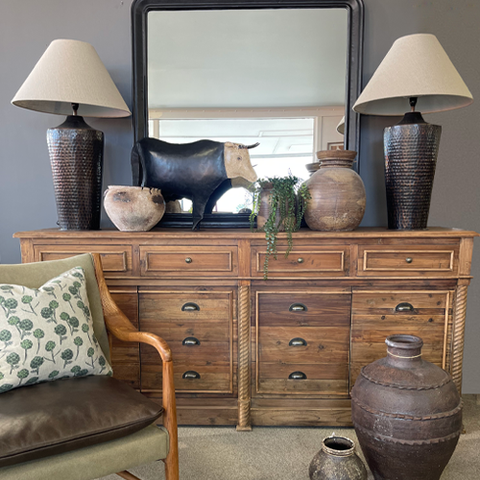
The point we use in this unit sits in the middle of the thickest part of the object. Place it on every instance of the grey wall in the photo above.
(26, 191)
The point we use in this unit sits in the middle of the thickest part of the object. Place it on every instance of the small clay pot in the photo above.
(134, 209)
(337, 460)
(338, 194)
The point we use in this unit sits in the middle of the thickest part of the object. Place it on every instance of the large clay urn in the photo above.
(407, 413)
(338, 194)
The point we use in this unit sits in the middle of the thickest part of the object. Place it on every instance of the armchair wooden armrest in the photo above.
(120, 326)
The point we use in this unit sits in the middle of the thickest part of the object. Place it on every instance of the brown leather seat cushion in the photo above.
(56, 417)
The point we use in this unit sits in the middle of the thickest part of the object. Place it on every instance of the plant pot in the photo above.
(407, 413)
(338, 193)
(337, 460)
(265, 209)
(134, 209)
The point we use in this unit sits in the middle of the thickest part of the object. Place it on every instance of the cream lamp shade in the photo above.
(341, 126)
(70, 71)
(415, 66)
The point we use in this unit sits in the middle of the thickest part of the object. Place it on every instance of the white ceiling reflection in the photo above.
(247, 58)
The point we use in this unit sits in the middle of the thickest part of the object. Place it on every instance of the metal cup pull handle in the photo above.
(190, 307)
(297, 307)
(191, 374)
(297, 342)
(297, 376)
(189, 341)
(404, 307)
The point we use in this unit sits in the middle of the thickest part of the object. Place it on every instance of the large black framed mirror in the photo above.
(198, 72)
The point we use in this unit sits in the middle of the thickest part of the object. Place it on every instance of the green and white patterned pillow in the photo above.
(47, 333)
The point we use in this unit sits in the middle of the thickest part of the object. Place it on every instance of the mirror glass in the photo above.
(276, 77)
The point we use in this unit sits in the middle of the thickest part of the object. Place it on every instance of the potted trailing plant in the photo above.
(278, 205)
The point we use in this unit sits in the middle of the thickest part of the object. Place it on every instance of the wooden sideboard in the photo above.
(285, 351)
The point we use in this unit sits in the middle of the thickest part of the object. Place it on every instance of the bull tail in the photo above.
(139, 172)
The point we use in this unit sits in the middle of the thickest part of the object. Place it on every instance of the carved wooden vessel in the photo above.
(285, 351)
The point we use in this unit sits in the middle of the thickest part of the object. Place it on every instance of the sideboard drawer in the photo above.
(116, 259)
(193, 378)
(323, 380)
(301, 345)
(402, 261)
(287, 308)
(204, 342)
(306, 261)
(399, 303)
(159, 307)
(190, 260)
(378, 314)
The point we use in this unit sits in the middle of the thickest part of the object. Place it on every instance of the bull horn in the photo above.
(249, 146)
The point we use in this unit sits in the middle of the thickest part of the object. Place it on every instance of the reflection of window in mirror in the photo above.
(288, 139)
(272, 76)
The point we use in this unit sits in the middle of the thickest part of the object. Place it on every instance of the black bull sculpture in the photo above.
(200, 171)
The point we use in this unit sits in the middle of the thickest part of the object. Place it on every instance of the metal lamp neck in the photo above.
(413, 103)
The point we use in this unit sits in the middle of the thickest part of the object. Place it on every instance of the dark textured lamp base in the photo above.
(76, 155)
(411, 151)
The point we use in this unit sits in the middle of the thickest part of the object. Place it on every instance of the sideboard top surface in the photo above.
(363, 232)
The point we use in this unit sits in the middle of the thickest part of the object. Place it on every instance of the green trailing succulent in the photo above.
(287, 202)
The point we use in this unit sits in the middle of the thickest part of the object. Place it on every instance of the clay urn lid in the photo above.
(340, 154)
(336, 158)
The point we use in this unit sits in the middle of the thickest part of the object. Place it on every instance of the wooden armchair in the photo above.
(61, 458)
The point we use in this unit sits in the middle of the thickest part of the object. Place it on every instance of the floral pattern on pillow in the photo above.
(47, 333)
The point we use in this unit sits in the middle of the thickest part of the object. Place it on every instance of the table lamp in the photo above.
(416, 73)
(70, 79)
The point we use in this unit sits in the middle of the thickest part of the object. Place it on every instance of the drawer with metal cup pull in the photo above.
(287, 308)
(204, 342)
(303, 261)
(188, 260)
(300, 345)
(184, 306)
(395, 302)
(387, 260)
(376, 314)
(190, 377)
(328, 380)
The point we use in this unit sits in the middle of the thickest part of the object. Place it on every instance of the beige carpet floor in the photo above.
(271, 453)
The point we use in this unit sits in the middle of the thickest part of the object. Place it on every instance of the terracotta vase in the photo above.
(338, 194)
(337, 460)
(134, 209)
(407, 413)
